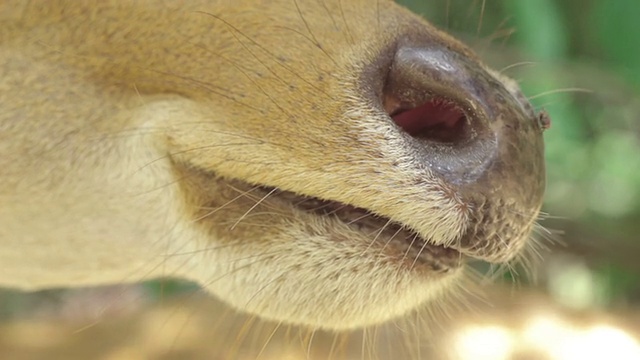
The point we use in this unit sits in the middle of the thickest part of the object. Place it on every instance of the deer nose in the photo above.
(467, 128)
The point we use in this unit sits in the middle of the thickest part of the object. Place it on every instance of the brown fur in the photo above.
(132, 133)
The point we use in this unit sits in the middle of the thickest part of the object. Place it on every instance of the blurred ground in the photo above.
(506, 324)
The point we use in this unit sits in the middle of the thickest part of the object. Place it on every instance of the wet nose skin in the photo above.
(467, 128)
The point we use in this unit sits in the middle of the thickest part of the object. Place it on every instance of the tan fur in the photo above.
(131, 134)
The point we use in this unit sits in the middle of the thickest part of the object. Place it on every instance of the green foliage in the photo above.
(617, 29)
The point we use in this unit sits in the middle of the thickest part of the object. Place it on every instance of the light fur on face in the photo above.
(151, 139)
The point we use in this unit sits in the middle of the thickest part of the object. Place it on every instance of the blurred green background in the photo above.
(579, 60)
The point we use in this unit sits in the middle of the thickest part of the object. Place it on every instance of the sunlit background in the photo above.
(579, 60)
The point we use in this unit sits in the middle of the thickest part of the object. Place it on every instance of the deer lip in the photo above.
(383, 230)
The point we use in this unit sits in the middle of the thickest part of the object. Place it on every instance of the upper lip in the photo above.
(381, 229)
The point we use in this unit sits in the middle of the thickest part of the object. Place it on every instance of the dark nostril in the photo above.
(439, 98)
(428, 93)
(463, 125)
(438, 119)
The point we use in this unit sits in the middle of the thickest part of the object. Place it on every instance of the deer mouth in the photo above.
(409, 246)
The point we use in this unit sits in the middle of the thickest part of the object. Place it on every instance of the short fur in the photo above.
(132, 134)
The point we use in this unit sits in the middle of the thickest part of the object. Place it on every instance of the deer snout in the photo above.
(467, 128)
